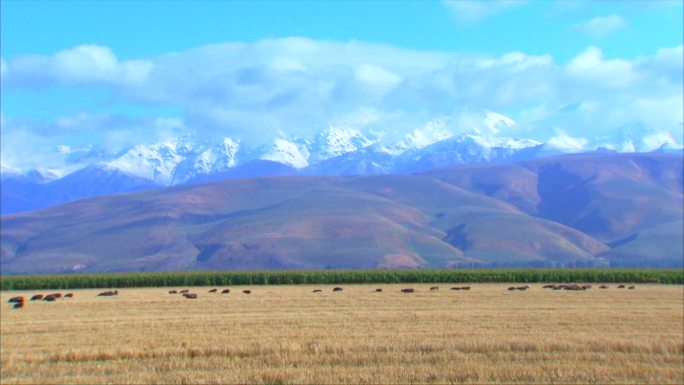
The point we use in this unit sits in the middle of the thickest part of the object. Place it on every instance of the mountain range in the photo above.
(333, 151)
(579, 210)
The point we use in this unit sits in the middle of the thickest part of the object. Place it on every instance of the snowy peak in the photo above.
(207, 159)
(433, 131)
(335, 141)
(286, 152)
(497, 123)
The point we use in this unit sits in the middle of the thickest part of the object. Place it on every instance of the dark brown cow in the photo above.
(337, 289)
(512, 288)
(37, 297)
(57, 295)
(621, 286)
(247, 291)
(572, 287)
(18, 305)
(434, 288)
(455, 288)
(225, 291)
(317, 291)
(408, 290)
(69, 295)
(108, 293)
(16, 299)
(603, 287)
(586, 287)
(190, 295)
(50, 298)
(631, 287)
(184, 291)
(465, 287)
(173, 291)
(213, 290)
(522, 288)
(378, 290)
(548, 286)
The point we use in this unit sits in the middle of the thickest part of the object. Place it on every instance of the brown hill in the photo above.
(563, 211)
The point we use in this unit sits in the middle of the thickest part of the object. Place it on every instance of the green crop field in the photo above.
(217, 278)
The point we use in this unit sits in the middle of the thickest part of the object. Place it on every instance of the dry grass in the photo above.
(288, 334)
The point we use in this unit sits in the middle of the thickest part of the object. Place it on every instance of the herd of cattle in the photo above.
(18, 302)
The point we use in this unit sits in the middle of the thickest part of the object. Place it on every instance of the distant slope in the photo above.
(570, 211)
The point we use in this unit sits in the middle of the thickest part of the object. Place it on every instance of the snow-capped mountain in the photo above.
(467, 148)
(155, 162)
(207, 159)
(335, 141)
(432, 132)
(477, 137)
(285, 151)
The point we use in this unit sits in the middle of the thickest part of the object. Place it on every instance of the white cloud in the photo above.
(590, 66)
(85, 64)
(251, 91)
(472, 11)
(602, 26)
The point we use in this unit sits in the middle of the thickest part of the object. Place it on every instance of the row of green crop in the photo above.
(228, 278)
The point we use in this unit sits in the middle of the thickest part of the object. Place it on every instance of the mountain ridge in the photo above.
(475, 215)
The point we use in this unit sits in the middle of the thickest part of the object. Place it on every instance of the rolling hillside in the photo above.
(597, 209)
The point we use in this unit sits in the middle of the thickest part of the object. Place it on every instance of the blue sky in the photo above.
(111, 74)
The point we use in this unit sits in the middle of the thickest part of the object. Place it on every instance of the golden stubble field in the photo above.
(287, 334)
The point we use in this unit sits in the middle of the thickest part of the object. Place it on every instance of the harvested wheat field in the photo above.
(290, 334)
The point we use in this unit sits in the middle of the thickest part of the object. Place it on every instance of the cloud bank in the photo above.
(299, 86)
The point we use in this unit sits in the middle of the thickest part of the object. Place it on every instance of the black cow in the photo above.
(337, 289)
(407, 290)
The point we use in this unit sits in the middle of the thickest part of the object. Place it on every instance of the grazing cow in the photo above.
(18, 305)
(434, 288)
(585, 287)
(225, 291)
(16, 299)
(58, 295)
(37, 297)
(378, 290)
(50, 298)
(465, 287)
(522, 288)
(572, 287)
(512, 288)
(173, 291)
(184, 291)
(409, 290)
(247, 291)
(548, 286)
(455, 288)
(621, 286)
(213, 290)
(108, 293)
(603, 287)
(69, 295)
(317, 291)
(190, 295)
(631, 287)
(337, 289)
